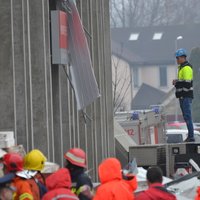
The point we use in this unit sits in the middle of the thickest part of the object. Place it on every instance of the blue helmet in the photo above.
(181, 52)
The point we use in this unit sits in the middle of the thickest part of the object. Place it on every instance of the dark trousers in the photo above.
(185, 104)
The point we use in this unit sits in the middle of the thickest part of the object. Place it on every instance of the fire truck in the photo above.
(144, 126)
(144, 138)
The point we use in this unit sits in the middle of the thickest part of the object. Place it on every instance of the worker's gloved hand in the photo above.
(130, 170)
(128, 177)
(174, 82)
(86, 191)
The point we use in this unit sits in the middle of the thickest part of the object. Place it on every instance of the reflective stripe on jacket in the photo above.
(184, 84)
(25, 196)
(61, 194)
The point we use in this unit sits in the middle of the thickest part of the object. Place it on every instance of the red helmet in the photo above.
(76, 156)
(13, 162)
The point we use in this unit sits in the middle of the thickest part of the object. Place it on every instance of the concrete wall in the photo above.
(36, 99)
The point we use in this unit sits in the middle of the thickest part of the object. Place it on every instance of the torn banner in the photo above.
(83, 79)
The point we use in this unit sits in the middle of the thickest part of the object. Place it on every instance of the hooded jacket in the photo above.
(156, 191)
(113, 187)
(198, 194)
(58, 185)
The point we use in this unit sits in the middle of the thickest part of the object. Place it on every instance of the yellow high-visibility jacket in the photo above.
(184, 84)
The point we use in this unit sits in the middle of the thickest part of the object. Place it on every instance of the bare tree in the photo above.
(118, 9)
(129, 13)
(121, 83)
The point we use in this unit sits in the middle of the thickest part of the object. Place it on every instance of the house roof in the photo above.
(144, 50)
(125, 53)
(146, 96)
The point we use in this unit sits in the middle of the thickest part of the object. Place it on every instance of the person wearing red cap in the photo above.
(13, 163)
(81, 183)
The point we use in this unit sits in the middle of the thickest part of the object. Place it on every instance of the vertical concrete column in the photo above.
(19, 66)
(40, 64)
(98, 115)
(48, 80)
(56, 112)
(100, 131)
(66, 110)
(86, 120)
(6, 70)
(110, 140)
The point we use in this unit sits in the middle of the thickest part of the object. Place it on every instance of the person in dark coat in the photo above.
(81, 183)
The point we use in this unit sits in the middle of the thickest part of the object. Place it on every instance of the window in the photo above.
(134, 36)
(157, 36)
(135, 77)
(163, 76)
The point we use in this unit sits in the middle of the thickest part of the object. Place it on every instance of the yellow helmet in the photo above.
(34, 160)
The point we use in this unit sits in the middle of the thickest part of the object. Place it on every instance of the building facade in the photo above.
(159, 77)
(36, 98)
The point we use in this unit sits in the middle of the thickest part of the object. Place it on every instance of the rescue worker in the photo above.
(6, 190)
(34, 163)
(184, 90)
(13, 163)
(81, 183)
(156, 190)
(198, 194)
(112, 184)
(59, 184)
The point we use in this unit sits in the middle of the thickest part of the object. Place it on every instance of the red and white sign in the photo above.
(63, 30)
(59, 37)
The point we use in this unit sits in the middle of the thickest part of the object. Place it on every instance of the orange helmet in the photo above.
(76, 156)
(13, 162)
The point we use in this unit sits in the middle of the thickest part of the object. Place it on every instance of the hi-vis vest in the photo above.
(184, 85)
(75, 190)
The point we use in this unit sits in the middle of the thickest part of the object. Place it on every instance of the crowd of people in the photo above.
(23, 180)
